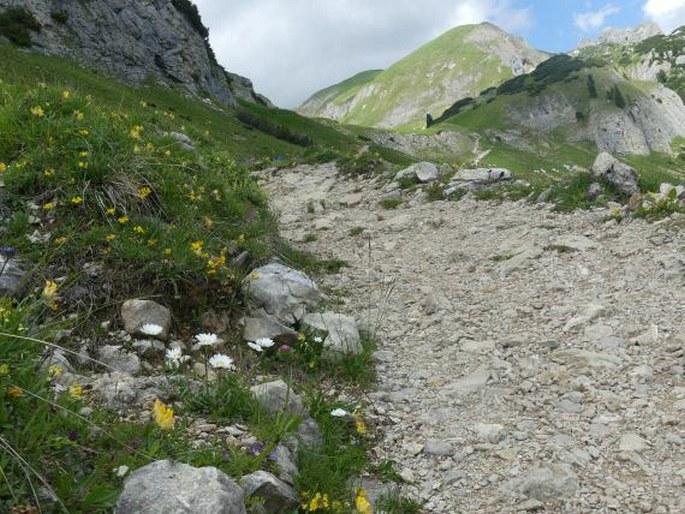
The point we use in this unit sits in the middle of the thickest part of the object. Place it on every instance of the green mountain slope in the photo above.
(462, 62)
(572, 102)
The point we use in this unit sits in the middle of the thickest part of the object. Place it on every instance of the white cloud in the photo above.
(593, 20)
(668, 14)
(292, 48)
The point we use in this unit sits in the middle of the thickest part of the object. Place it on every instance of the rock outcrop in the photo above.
(137, 40)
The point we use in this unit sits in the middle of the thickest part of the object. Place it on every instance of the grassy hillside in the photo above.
(459, 63)
(337, 94)
(101, 200)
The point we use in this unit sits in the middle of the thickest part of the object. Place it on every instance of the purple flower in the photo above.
(284, 348)
(8, 251)
(73, 435)
(277, 453)
(255, 449)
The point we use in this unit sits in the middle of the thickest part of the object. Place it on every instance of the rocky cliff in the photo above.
(135, 40)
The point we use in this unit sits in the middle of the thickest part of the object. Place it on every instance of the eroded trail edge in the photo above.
(528, 359)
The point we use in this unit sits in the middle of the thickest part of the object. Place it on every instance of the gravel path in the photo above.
(528, 360)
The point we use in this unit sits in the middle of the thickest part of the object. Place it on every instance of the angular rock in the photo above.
(117, 358)
(576, 357)
(284, 464)
(185, 142)
(120, 390)
(148, 347)
(622, 176)
(490, 433)
(277, 497)
(343, 335)
(468, 384)
(258, 328)
(632, 443)
(276, 397)
(555, 482)
(13, 276)
(166, 487)
(421, 171)
(438, 448)
(282, 292)
(136, 313)
(483, 175)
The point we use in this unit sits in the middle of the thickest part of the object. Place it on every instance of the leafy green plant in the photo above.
(17, 23)
(391, 203)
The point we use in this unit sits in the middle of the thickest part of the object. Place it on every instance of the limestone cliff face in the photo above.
(134, 40)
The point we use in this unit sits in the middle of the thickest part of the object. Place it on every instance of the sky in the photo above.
(292, 48)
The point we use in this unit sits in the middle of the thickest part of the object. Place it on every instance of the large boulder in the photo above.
(281, 292)
(421, 171)
(259, 328)
(477, 179)
(343, 334)
(168, 487)
(617, 173)
(137, 313)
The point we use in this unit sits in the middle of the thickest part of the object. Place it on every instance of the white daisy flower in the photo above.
(151, 329)
(221, 361)
(175, 357)
(339, 413)
(207, 339)
(318, 339)
(265, 342)
(255, 346)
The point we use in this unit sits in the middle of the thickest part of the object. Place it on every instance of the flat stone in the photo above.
(117, 358)
(136, 313)
(632, 443)
(275, 495)
(577, 357)
(468, 384)
(342, 338)
(491, 433)
(259, 328)
(555, 482)
(438, 448)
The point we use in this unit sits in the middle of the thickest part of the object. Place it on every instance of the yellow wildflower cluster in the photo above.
(360, 425)
(77, 200)
(122, 220)
(163, 415)
(75, 391)
(362, 504)
(144, 192)
(197, 246)
(14, 392)
(79, 115)
(317, 502)
(4, 370)
(136, 131)
(3, 167)
(139, 230)
(37, 111)
(50, 294)
(55, 371)
(214, 263)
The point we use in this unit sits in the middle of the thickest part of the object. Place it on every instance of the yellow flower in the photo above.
(139, 230)
(110, 211)
(110, 237)
(83, 165)
(77, 200)
(60, 240)
(14, 392)
(151, 242)
(48, 172)
(144, 192)
(136, 131)
(55, 371)
(75, 391)
(3, 167)
(48, 205)
(84, 132)
(241, 239)
(50, 289)
(84, 153)
(359, 423)
(167, 251)
(123, 220)
(362, 504)
(196, 246)
(208, 222)
(254, 275)
(319, 501)
(163, 415)
(78, 115)
(136, 148)
(149, 147)
(4, 370)
(143, 104)
(167, 153)
(37, 111)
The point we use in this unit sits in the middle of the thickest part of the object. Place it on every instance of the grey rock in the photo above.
(121, 390)
(276, 397)
(258, 328)
(554, 482)
(185, 142)
(469, 384)
(343, 335)
(483, 175)
(282, 292)
(168, 487)
(135, 41)
(573, 243)
(438, 448)
(491, 433)
(148, 347)
(632, 443)
(277, 497)
(422, 171)
(117, 358)
(284, 464)
(594, 191)
(136, 313)
(622, 176)
(13, 276)
(582, 358)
